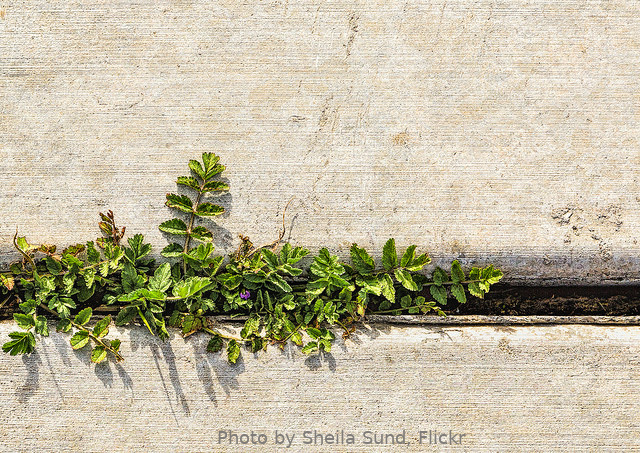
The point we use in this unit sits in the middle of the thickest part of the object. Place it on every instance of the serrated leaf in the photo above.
(233, 351)
(439, 276)
(172, 250)
(215, 186)
(310, 347)
(42, 328)
(53, 266)
(418, 263)
(21, 343)
(174, 226)
(93, 255)
(115, 345)
(64, 325)
(474, 289)
(458, 292)
(208, 210)
(279, 283)
(404, 277)
(161, 280)
(388, 289)
(126, 315)
(190, 286)
(408, 256)
(83, 316)
(314, 333)
(250, 327)
(215, 344)
(101, 328)
(196, 167)
(24, 321)
(270, 258)
(79, 339)
(389, 255)
(98, 354)
(362, 261)
(439, 293)
(181, 202)
(200, 233)
(457, 274)
(189, 181)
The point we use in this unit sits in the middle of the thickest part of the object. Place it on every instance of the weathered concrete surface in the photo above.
(489, 131)
(544, 388)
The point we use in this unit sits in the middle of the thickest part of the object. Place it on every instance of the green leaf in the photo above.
(83, 316)
(64, 325)
(439, 293)
(208, 210)
(98, 354)
(278, 283)
(362, 262)
(42, 327)
(172, 250)
(404, 277)
(126, 315)
(79, 339)
(190, 286)
(215, 344)
(161, 280)
(457, 274)
(189, 181)
(314, 333)
(93, 255)
(130, 278)
(174, 226)
(491, 275)
(458, 292)
(251, 327)
(53, 266)
(24, 321)
(180, 202)
(215, 186)
(229, 281)
(418, 263)
(200, 233)
(7, 281)
(22, 343)
(310, 347)
(115, 345)
(138, 249)
(195, 166)
(474, 289)
(270, 258)
(233, 351)
(388, 289)
(408, 256)
(389, 255)
(440, 276)
(102, 327)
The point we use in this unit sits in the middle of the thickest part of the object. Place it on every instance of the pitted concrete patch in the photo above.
(506, 388)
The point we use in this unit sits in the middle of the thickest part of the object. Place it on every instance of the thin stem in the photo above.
(190, 226)
(381, 312)
(144, 320)
(91, 335)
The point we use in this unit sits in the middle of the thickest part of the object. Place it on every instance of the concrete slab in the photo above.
(506, 388)
(485, 131)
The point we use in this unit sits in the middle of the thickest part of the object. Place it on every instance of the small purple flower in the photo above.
(245, 294)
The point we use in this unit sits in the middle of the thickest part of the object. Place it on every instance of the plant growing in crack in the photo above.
(279, 298)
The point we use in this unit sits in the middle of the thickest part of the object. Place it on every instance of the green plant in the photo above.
(280, 298)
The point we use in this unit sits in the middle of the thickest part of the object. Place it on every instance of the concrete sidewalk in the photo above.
(520, 388)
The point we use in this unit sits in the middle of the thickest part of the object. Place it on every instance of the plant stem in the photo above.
(91, 335)
(192, 218)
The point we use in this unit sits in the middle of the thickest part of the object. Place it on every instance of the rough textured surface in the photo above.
(519, 388)
(489, 131)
